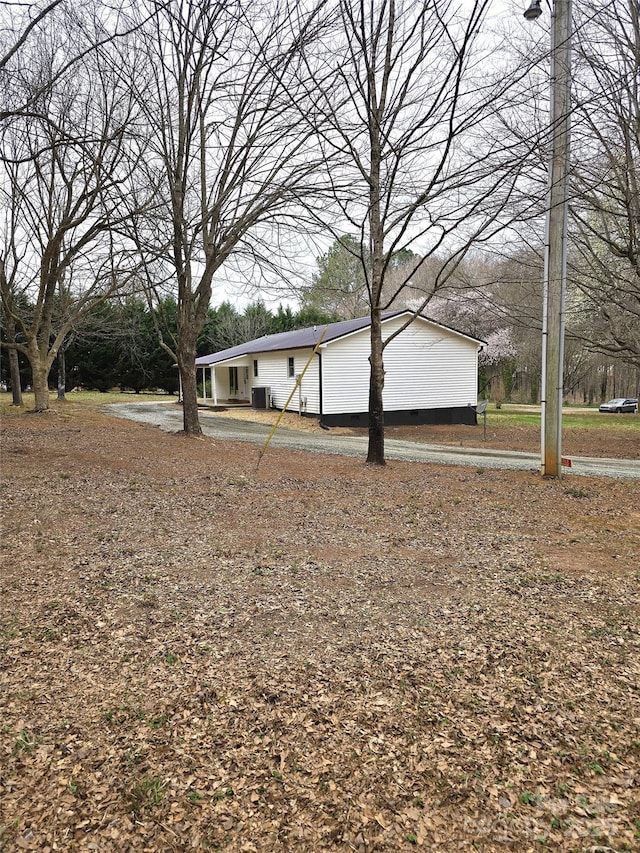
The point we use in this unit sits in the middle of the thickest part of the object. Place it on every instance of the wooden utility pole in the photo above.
(555, 267)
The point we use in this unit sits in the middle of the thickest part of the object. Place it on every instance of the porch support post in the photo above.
(204, 385)
(214, 392)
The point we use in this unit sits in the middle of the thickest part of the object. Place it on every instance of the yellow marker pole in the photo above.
(295, 388)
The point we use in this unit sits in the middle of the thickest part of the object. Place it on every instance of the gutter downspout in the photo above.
(320, 385)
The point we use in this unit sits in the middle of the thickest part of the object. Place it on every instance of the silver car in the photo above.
(620, 405)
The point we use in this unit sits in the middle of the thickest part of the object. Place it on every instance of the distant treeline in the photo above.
(119, 345)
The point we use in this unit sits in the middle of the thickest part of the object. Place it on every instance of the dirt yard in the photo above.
(311, 656)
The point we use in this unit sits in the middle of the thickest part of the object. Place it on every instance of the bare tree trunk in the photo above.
(40, 376)
(62, 373)
(375, 453)
(604, 383)
(14, 372)
(187, 366)
(14, 363)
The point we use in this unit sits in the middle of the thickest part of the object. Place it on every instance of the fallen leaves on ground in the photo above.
(312, 656)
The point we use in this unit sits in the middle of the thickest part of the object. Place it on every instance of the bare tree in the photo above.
(94, 25)
(606, 179)
(35, 17)
(229, 150)
(409, 122)
(67, 181)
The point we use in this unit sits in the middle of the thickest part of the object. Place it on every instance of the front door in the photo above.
(233, 381)
(239, 383)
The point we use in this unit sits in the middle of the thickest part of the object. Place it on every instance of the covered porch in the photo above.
(224, 384)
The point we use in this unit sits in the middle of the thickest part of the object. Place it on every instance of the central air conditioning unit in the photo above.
(261, 398)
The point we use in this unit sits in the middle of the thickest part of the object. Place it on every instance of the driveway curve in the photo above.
(168, 416)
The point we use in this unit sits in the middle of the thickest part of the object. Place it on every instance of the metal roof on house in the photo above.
(306, 338)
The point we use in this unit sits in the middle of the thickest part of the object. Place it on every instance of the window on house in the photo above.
(291, 370)
(233, 380)
(255, 366)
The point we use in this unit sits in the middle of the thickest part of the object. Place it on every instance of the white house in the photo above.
(431, 372)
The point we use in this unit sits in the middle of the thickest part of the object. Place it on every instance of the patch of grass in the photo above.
(25, 742)
(527, 798)
(513, 414)
(132, 757)
(125, 711)
(599, 763)
(115, 716)
(86, 399)
(5, 834)
(575, 492)
(227, 793)
(146, 794)
(238, 481)
(8, 633)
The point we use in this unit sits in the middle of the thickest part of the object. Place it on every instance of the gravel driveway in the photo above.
(168, 416)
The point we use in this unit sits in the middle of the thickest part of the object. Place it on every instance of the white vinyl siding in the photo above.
(345, 374)
(426, 367)
(274, 375)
